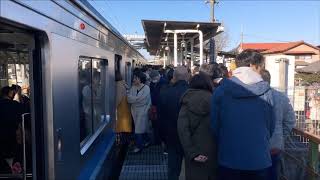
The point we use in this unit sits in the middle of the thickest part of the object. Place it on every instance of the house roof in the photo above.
(311, 68)
(299, 52)
(259, 46)
(283, 47)
(271, 48)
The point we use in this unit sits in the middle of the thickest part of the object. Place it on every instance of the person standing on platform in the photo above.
(123, 125)
(285, 121)
(169, 107)
(194, 130)
(139, 98)
(243, 121)
(10, 119)
(157, 82)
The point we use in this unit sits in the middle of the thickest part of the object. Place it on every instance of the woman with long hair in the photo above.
(194, 129)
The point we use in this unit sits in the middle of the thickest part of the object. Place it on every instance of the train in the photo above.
(64, 54)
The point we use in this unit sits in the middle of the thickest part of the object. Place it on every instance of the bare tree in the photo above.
(221, 41)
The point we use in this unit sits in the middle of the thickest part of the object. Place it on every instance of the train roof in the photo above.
(90, 10)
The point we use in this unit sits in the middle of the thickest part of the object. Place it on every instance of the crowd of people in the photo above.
(225, 126)
(13, 104)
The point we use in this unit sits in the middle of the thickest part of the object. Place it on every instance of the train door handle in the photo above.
(59, 144)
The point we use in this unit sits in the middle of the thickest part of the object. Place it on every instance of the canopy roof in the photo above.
(156, 36)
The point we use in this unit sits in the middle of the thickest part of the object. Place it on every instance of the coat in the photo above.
(314, 109)
(285, 120)
(10, 118)
(124, 121)
(196, 136)
(140, 100)
(243, 121)
(168, 111)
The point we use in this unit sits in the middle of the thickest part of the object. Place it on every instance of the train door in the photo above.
(21, 125)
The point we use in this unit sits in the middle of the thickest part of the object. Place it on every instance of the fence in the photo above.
(301, 154)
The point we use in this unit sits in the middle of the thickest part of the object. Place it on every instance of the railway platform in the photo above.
(150, 164)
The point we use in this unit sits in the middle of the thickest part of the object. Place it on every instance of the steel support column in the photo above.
(164, 59)
(175, 53)
(201, 46)
(191, 59)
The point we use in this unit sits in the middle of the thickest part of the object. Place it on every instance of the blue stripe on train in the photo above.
(93, 165)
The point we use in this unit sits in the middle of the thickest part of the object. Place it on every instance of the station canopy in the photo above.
(157, 39)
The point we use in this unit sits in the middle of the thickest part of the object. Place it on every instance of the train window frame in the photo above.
(102, 65)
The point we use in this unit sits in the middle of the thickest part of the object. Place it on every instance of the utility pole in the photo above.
(212, 10)
(241, 37)
(212, 41)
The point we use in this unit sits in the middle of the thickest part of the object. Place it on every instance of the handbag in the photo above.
(153, 113)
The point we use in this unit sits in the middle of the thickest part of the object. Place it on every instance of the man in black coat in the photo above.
(10, 113)
(157, 82)
(169, 107)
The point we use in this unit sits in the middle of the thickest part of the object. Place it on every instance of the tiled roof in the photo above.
(271, 48)
(283, 47)
(259, 46)
(299, 52)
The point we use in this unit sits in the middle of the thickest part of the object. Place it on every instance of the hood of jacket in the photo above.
(238, 89)
(247, 75)
(197, 101)
(245, 83)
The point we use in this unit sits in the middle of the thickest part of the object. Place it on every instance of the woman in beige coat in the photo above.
(140, 100)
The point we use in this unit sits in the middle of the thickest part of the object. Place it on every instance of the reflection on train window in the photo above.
(128, 73)
(117, 59)
(92, 101)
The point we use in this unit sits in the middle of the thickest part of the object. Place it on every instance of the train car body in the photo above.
(60, 43)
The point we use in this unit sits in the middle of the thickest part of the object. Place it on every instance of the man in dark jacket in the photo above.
(157, 82)
(169, 107)
(10, 118)
(243, 121)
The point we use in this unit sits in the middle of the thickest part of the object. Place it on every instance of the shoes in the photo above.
(147, 144)
(136, 150)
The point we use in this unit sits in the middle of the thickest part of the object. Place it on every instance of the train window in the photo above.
(85, 71)
(117, 59)
(128, 73)
(92, 96)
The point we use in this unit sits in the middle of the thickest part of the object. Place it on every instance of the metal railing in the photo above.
(23, 175)
(301, 154)
(305, 152)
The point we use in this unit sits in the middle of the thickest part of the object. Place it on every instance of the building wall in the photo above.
(303, 47)
(273, 67)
